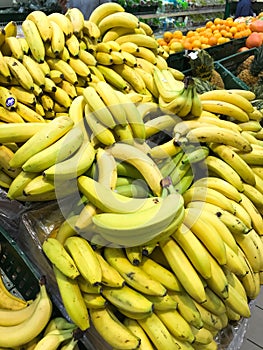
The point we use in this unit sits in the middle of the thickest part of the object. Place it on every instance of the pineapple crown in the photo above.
(201, 64)
(257, 63)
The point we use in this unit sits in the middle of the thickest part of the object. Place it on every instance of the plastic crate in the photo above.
(180, 60)
(232, 62)
(230, 80)
(19, 276)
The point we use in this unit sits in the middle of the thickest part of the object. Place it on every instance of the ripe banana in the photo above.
(84, 258)
(146, 166)
(34, 40)
(138, 331)
(226, 108)
(76, 17)
(20, 72)
(72, 300)
(17, 335)
(57, 42)
(114, 332)
(134, 276)
(7, 99)
(187, 274)
(42, 139)
(41, 20)
(63, 21)
(122, 19)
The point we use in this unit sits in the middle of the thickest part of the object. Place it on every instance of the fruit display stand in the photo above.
(37, 225)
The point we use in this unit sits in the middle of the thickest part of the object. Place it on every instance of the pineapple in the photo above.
(202, 66)
(254, 70)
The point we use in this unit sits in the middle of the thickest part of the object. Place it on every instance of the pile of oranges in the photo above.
(212, 33)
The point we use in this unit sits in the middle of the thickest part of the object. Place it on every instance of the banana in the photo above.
(235, 161)
(202, 336)
(10, 29)
(237, 303)
(193, 220)
(111, 100)
(185, 275)
(110, 276)
(208, 195)
(17, 335)
(10, 116)
(130, 75)
(140, 281)
(163, 122)
(6, 155)
(98, 107)
(148, 80)
(133, 116)
(131, 225)
(249, 280)
(109, 201)
(227, 108)
(193, 249)
(221, 169)
(254, 195)
(7, 99)
(72, 44)
(113, 77)
(58, 256)
(230, 97)
(209, 318)
(76, 17)
(117, 57)
(64, 67)
(94, 301)
(34, 40)
(161, 62)
(104, 10)
(142, 162)
(5, 180)
(29, 114)
(87, 57)
(42, 139)
(91, 29)
(220, 185)
(164, 303)
(114, 332)
(58, 41)
(139, 40)
(176, 324)
(213, 303)
(4, 70)
(79, 67)
(121, 19)
(100, 131)
(249, 95)
(41, 20)
(255, 216)
(23, 96)
(84, 258)
(19, 132)
(69, 88)
(10, 301)
(186, 307)
(146, 54)
(127, 299)
(219, 135)
(158, 333)
(73, 166)
(219, 122)
(138, 331)
(107, 168)
(18, 184)
(63, 21)
(20, 72)
(53, 339)
(72, 300)
(12, 47)
(157, 271)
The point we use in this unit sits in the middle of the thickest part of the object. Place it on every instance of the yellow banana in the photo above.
(10, 29)
(42, 22)
(63, 22)
(34, 40)
(76, 17)
(227, 108)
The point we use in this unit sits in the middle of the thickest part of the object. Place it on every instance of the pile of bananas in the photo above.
(163, 247)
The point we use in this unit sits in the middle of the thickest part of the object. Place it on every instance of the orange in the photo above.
(187, 45)
(177, 46)
(217, 20)
(212, 41)
(177, 34)
(209, 24)
(204, 40)
(167, 36)
(196, 44)
(233, 30)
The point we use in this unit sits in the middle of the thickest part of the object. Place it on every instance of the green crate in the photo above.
(19, 276)
(230, 80)
(232, 62)
(181, 62)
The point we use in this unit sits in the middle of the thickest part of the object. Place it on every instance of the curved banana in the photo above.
(10, 301)
(13, 336)
(158, 332)
(57, 42)
(73, 166)
(20, 72)
(134, 276)
(131, 76)
(112, 330)
(256, 218)
(121, 19)
(6, 154)
(235, 161)
(138, 331)
(72, 300)
(127, 229)
(42, 139)
(34, 40)
(63, 67)
(230, 97)
(63, 21)
(41, 20)
(226, 108)
(187, 274)
(146, 166)
(84, 258)
(139, 40)
(54, 338)
(76, 17)
(223, 170)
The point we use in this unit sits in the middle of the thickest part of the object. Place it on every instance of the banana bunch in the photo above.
(22, 322)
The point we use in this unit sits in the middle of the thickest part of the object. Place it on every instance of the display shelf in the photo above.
(183, 13)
